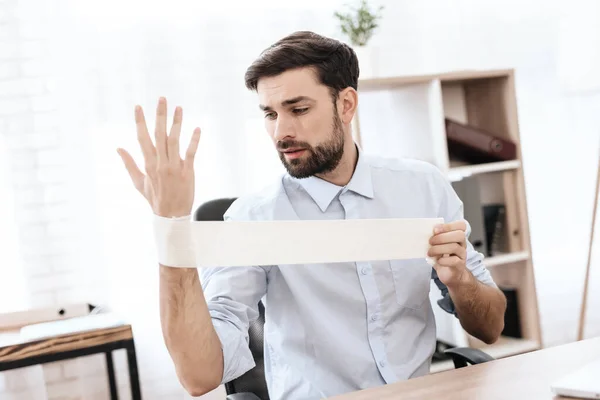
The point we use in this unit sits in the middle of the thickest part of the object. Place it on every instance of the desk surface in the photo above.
(13, 347)
(526, 376)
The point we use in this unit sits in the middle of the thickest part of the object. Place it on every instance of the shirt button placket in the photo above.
(371, 293)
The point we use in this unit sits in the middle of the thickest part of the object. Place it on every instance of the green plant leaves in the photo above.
(360, 23)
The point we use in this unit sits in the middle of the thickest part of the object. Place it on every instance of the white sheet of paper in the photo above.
(244, 243)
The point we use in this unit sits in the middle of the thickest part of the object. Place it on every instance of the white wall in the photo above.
(553, 46)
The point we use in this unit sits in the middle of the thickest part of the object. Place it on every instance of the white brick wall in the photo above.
(31, 49)
(9, 70)
(30, 122)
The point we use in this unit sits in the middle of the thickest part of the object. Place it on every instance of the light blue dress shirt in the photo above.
(339, 327)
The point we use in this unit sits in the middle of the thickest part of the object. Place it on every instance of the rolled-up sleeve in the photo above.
(232, 295)
(451, 209)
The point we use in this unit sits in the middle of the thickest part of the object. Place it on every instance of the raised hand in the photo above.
(168, 184)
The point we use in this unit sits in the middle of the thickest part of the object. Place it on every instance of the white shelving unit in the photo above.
(404, 116)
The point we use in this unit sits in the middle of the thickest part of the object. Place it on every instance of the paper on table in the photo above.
(70, 325)
(244, 243)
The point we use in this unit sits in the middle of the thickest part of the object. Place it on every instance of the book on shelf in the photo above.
(512, 321)
(495, 229)
(476, 145)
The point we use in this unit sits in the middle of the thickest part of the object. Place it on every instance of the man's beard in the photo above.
(321, 159)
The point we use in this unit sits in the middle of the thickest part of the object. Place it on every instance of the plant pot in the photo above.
(367, 61)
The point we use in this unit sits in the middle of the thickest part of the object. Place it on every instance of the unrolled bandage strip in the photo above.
(185, 243)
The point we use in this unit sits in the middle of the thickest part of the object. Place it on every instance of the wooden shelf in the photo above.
(404, 116)
(504, 347)
(506, 259)
(458, 173)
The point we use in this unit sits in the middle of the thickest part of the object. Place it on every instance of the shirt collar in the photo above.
(324, 192)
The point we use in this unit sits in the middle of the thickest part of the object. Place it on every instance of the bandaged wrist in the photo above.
(174, 241)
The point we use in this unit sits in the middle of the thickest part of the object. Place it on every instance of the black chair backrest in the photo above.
(213, 210)
(252, 381)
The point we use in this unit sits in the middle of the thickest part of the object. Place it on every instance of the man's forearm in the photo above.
(480, 308)
(188, 331)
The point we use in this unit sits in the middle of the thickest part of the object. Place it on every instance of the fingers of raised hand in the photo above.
(160, 131)
(173, 140)
(165, 157)
(137, 177)
(190, 154)
(148, 149)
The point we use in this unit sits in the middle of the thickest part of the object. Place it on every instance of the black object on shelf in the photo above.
(494, 216)
(512, 322)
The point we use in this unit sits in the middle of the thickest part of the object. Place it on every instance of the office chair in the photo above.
(252, 385)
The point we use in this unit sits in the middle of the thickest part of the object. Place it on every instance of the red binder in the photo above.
(476, 145)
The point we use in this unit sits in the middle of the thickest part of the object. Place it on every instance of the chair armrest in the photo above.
(461, 356)
(242, 396)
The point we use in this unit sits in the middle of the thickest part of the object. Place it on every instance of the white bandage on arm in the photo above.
(174, 241)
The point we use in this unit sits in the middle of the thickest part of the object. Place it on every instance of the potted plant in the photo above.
(359, 25)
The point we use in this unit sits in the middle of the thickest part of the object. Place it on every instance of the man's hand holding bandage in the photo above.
(480, 308)
(168, 184)
(449, 251)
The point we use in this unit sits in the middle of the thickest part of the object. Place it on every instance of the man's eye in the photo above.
(300, 110)
(270, 115)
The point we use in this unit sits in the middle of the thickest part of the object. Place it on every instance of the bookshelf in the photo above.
(404, 116)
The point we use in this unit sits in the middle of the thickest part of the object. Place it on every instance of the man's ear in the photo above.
(347, 103)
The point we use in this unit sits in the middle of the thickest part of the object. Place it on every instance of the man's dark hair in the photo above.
(334, 62)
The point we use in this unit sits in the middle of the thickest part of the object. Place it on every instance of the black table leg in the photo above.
(107, 349)
(112, 382)
(133, 372)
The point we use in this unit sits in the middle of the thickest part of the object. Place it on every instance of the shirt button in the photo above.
(374, 317)
(363, 270)
(382, 363)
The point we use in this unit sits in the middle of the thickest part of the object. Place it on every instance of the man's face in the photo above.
(303, 122)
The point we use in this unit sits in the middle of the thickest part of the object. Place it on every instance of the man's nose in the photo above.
(284, 128)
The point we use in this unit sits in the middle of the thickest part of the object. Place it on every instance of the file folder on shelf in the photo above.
(476, 145)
